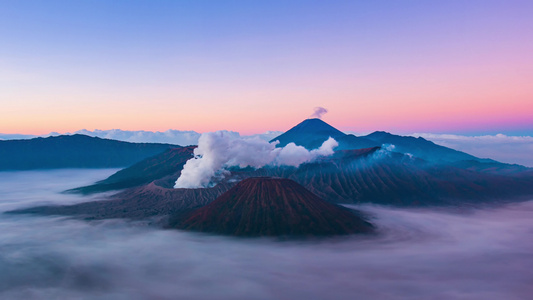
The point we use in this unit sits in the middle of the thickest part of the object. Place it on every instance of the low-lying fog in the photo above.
(419, 254)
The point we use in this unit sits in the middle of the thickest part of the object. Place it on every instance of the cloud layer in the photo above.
(221, 149)
(500, 147)
(176, 137)
(4, 136)
(418, 254)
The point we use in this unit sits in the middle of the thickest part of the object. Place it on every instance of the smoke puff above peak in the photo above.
(319, 112)
(221, 149)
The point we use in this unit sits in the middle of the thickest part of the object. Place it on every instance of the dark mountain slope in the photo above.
(421, 147)
(148, 201)
(350, 141)
(492, 167)
(73, 151)
(377, 176)
(399, 180)
(165, 164)
(272, 207)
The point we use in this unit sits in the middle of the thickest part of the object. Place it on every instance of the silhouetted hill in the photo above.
(73, 151)
(272, 207)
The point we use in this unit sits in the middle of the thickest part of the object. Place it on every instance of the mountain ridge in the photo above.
(74, 151)
(421, 147)
(311, 133)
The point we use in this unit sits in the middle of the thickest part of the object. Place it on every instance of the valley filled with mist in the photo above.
(474, 252)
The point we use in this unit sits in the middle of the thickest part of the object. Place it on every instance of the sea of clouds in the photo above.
(481, 253)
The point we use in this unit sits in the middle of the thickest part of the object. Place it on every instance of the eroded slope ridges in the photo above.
(262, 206)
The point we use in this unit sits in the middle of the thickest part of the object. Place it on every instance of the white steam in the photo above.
(319, 112)
(219, 150)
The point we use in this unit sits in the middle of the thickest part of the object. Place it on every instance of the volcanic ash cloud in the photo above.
(219, 150)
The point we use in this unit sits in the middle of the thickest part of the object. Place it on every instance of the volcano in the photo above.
(263, 206)
(427, 175)
(311, 133)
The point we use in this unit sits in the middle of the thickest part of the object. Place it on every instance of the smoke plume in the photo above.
(319, 112)
(218, 150)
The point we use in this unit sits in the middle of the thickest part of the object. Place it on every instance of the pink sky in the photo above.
(441, 67)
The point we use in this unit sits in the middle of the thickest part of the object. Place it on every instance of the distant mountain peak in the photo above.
(310, 133)
(316, 125)
(380, 133)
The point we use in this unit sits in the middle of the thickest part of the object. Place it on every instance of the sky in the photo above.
(459, 67)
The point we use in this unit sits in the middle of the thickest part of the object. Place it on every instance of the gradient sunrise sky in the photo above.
(402, 66)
